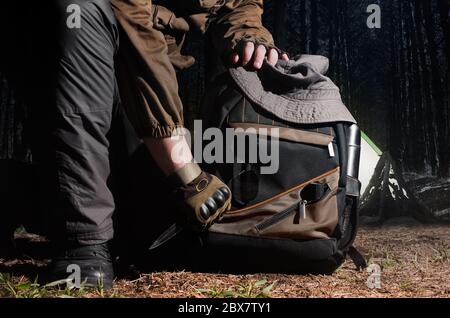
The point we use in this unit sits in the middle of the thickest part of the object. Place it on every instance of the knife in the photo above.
(167, 235)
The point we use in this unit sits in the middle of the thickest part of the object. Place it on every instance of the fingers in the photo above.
(259, 56)
(272, 57)
(253, 58)
(248, 51)
(218, 202)
(235, 58)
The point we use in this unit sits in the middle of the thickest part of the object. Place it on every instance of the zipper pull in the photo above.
(302, 209)
(331, 149)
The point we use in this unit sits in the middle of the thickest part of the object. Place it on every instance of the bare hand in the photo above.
(247, 55)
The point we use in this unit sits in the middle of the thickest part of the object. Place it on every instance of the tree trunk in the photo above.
(280, 22)
(304, 27)
(441, 106)
(314, 27)
(428, 110)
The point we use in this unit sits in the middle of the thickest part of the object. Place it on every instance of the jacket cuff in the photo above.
(157, 131)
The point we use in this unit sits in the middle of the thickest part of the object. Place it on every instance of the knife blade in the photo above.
(167, 235)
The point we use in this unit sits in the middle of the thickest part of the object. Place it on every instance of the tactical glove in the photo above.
(202, 201)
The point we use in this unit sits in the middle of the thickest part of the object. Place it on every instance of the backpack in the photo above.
(302, 218)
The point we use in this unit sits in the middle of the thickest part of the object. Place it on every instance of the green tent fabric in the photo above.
(370, 156)
(388, 192)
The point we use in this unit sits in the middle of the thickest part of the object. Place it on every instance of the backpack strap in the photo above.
(356, 258)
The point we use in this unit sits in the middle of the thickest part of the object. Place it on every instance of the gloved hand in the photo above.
(202, 201)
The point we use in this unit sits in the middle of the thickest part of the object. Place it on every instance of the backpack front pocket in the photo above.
(305, 212)
(300, 208)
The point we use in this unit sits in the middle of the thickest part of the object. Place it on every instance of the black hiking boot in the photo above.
(91, 263)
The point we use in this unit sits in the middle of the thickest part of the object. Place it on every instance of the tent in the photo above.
(388, 192)
(370, 156)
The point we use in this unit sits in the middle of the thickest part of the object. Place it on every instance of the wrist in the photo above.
(188, 173)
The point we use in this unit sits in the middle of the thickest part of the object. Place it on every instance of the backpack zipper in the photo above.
(302, 209)
(299, 207)
(277, 217)
(232, 213)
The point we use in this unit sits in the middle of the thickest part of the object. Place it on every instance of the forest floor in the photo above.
(414, 260)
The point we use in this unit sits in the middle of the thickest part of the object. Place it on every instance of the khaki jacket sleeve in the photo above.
(147, 75)
(233, 21)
